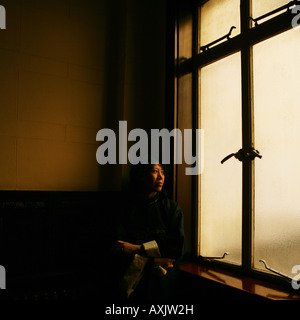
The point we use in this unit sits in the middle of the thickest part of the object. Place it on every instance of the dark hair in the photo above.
(139, 171)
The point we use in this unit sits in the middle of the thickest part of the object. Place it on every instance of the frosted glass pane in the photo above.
(216, 19)
(221, 184)
(277, 133)
(185, 36)
(261, 7)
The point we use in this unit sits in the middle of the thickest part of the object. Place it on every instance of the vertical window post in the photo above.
(247, 136)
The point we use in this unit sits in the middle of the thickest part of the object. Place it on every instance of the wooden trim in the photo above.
(239, 282)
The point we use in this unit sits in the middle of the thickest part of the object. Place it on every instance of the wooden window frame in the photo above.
(249, 36)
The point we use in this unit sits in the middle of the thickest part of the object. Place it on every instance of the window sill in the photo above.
(249, 285)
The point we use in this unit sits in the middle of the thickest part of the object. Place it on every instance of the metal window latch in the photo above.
(286, 6)
(215, 258)
(274, 271)
(227, 36)
(241, 155)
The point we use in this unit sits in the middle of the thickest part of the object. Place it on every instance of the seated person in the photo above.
(149, 237)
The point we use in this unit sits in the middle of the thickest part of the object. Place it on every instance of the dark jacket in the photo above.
(158, 218)
(141, 221)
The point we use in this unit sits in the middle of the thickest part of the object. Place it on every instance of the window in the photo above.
(277, 133)
(221, 190)
(243, 91)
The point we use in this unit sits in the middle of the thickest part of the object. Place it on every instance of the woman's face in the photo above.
(156, 178)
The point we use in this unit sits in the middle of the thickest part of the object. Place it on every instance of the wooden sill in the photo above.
(246, 284)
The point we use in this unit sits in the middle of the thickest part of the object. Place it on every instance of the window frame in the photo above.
(249, 36)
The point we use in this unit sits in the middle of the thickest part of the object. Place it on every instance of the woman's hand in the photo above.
(164, 262)
(127, 248)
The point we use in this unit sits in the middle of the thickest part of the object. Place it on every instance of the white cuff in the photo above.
(151, 249)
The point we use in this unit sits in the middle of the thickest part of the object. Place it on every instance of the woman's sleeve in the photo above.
(173, 244)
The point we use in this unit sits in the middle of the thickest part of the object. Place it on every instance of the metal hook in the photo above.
(219, 258)
(230, 31)
(227, 36)
(274, 271)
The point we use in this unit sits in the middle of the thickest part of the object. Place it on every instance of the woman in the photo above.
(149, 236)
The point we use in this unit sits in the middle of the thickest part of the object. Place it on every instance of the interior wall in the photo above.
(51, 61)
(68, 69)
(145, 64)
